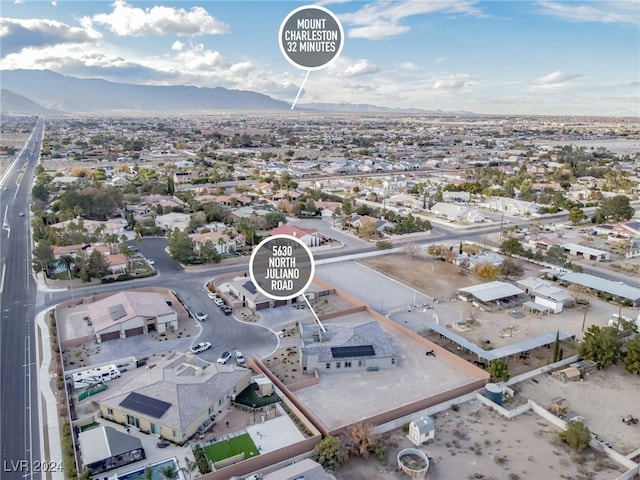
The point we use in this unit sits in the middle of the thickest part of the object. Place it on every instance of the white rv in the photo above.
(95, 375)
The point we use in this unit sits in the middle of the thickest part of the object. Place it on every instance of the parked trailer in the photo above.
(96, 375)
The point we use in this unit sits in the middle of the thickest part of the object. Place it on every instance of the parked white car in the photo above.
(200, 347)
(224, 357)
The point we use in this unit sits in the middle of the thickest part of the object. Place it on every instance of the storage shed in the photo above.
(421, 430)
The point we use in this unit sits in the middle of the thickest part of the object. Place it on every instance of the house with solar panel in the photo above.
(130, 313)
(345, 347)
(175, 400)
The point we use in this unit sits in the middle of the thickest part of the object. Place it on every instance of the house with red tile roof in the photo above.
(310, 236)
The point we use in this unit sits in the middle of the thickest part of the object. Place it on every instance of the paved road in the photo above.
(19, 420)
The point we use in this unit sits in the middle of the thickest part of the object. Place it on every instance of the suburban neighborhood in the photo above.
(475, 287)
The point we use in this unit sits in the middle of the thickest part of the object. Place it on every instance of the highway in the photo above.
(19, 422)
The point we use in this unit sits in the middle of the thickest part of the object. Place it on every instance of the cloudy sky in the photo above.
(560, 57)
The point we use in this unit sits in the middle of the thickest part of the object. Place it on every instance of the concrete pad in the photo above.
(274, 434)
(347, 397)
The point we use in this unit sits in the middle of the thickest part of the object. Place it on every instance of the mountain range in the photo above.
(50, 93)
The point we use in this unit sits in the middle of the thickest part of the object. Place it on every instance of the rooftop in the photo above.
(186, 383)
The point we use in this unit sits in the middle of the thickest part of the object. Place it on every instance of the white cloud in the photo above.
(177, 46)
(604, 12)
(556, 78)
(360, 67)
(382, 19)
(126, 20)
(455, 81)
(17, 34)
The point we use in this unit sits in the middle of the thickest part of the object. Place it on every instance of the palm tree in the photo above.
(170, 472)
(67, 261)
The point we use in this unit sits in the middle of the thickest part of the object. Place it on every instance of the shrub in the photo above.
(201, 460)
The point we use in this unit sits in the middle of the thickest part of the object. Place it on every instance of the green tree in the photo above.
(510, 268)
(615, 209)
(499, 371)
(367, 230)
(181, 246)
(274, 219)
(576, 435)
(556, 347)
(512, 246)
(328, 452)
(208, 253)
(170, 472)
(556, 255)
(42, 256)
(67, 261)
(171, 186)
(347, 207)
(576, 215)
(97, 265)
(632, 355)
(600, 344)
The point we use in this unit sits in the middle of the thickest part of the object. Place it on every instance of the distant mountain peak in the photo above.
(93, 95)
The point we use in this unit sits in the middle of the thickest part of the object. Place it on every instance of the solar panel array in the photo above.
(355, 351)
(146, 405)
(250, 287)
(116, 312)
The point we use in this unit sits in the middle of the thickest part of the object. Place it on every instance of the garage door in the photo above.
(109, 336)
(134, 331)
(279, 303)
(262, 306)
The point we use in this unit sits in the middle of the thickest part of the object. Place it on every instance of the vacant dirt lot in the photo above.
(485, 445)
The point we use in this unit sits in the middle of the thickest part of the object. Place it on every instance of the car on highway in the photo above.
(201, 316)
(200, 347)
(224, 357)
(21, 214)
(150, 261)
(240, 360)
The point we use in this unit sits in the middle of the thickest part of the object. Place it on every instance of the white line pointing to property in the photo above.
(300, 90)
(4, 270)
(314, 313)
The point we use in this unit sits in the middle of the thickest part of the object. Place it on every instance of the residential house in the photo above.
(511, 206)
(173, 220)
(221, 241)
(457, 213)
(345, 347)
(104, 448)
(382, 225)
(129, 313)
(175, 400)
(309, 236)
(543, 243)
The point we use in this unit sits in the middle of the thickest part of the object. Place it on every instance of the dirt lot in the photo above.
(487, 446)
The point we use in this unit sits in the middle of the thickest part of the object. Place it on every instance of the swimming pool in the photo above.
(156, 471)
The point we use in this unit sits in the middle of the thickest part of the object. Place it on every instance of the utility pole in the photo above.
(584, 319)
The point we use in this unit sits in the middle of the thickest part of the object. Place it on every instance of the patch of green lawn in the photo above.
(233, 446)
